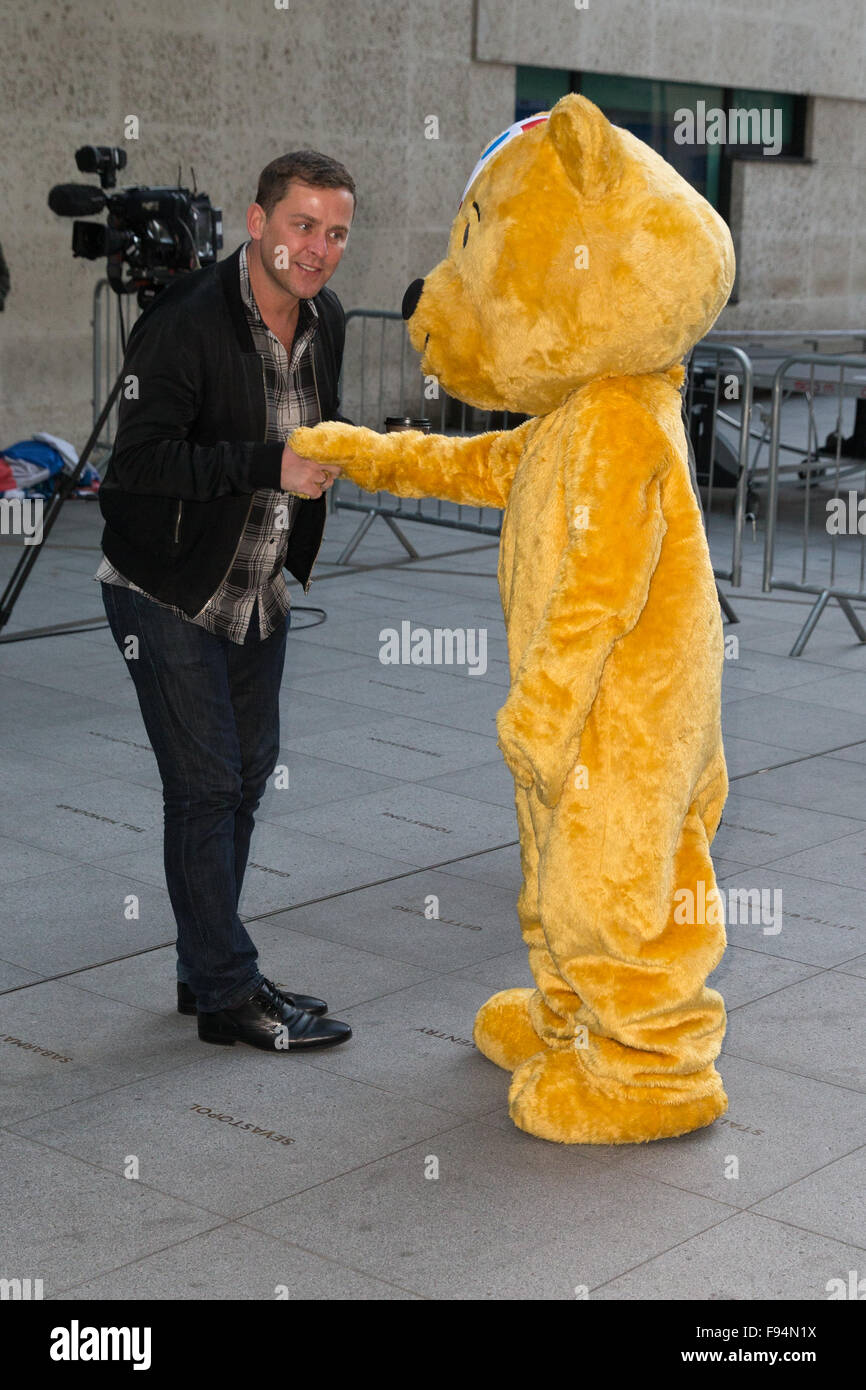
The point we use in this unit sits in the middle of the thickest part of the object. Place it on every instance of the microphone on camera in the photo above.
(76, 200)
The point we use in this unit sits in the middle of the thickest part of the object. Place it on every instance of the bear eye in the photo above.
(466, 228)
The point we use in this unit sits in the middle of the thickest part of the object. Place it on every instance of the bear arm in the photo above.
(615, 532)
(474, 469)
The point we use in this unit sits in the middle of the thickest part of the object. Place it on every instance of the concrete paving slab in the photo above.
(171, 1123)
(419, 1041)
(299, 782)
(856, 753)
(508, 971)
(757, 832)
(396, 747)
(791, 723)
(841, 862)
(55, 715)
(99, 817)
(827, 647)
(745, 755)
(761, 1145)
(78, 916)
(744, 1258)
(81, 1220)
(745, 975)
(60, 1043)
(489, 782)
(818, 784)
(29, 766)
(285, 868)
(765, 673)
(234, 1263)
(506, 1217)
(116, 747)
(790, 915)
(828, 1202)
(837, 692)
(815, 1028)
(302, 714)
(499, 867)
(23, 861)
(417, 824)
(853, 967)
(11, 976)
(475, 920)
(416, 692)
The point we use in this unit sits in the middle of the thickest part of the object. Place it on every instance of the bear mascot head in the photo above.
(581, 268)
(577, 252)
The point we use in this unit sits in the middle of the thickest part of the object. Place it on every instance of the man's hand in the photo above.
(304, 477)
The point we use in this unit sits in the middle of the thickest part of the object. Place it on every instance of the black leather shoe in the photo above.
(307, 1002)
(267, 1021)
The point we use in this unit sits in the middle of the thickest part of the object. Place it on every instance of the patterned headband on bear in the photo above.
(517, 129)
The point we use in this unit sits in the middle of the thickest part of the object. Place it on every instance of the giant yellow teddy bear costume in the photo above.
(580, 270)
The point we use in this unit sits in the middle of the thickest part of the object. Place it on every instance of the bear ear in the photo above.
(587, 144)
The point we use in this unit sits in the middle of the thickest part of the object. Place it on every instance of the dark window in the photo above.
(654, 110)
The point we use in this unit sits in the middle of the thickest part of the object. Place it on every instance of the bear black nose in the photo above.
(411, 297)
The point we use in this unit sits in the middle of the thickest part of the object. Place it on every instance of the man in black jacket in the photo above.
(205, 504)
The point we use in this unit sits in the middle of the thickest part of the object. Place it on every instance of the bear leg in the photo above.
(553, 1097)
(516, 1023)
(503, 1029)
(630, 1050)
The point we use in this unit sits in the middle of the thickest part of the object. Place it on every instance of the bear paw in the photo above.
(503, 1031)
(553, 1097)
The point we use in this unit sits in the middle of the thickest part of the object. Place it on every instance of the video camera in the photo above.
(154, 234)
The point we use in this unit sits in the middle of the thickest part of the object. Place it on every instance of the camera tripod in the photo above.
(66, 484)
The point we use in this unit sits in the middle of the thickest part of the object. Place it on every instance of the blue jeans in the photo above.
(210, 707)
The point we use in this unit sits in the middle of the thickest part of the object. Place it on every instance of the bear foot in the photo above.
(503, 1031)
(553, 1097)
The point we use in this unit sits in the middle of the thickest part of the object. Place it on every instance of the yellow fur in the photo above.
(592, 268)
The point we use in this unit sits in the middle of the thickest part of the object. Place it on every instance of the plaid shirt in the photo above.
(256, 573)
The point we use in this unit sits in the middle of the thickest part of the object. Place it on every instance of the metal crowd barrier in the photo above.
(766, 348)
(721, 456)
(828, 490)
(380, 363)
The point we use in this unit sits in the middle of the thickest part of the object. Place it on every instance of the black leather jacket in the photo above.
(190, 447)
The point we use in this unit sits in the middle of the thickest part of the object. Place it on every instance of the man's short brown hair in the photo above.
(301, 166)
